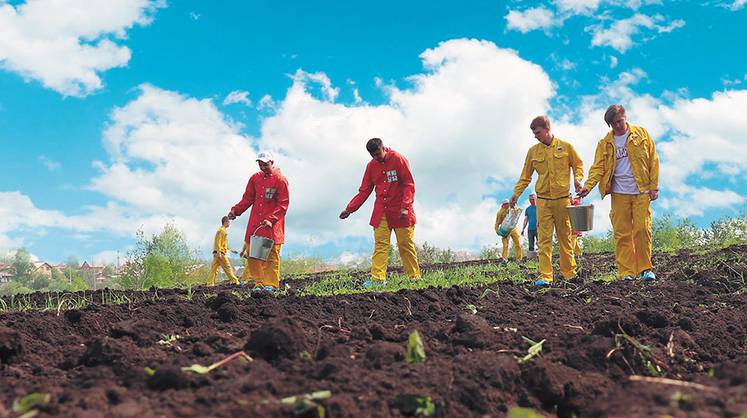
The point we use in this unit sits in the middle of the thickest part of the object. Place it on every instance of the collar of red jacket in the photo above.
(273, 172)
(386, 156)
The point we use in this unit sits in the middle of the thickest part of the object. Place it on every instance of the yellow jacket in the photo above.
(502, 212)
(643, 160)
(220, 245)
(553, 163)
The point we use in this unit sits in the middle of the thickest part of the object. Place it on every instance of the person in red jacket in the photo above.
(389, 173)
(267, 194)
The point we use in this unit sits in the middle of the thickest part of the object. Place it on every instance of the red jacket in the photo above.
(268, 196)
(395, 190)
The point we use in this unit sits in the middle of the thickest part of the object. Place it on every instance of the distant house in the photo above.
(43, 268)
(6, 273)
(91, 268)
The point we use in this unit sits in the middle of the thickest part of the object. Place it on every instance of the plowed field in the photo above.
(674, 347)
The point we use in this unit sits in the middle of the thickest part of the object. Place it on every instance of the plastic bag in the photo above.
(510, 222)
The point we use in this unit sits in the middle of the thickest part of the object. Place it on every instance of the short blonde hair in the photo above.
(612, 112)
(540, 122)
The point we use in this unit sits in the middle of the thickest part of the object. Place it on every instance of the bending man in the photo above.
(389, 173)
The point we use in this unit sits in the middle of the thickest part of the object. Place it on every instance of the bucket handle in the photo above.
(260, 226)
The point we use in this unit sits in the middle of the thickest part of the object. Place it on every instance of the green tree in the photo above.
(23, 267)
(164, 260)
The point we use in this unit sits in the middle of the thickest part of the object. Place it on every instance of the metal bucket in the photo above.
(259, 247)
(582, 217)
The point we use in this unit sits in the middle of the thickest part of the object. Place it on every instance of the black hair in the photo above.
(373, 145)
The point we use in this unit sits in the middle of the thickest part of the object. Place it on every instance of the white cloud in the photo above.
(532, 19)
(690, 134)
(582, 7)
(237, 96)
(49, 163)
(266, 103)
(613, 61)
(67, 44)
(108, 257)
(619, 35)
(737, 4)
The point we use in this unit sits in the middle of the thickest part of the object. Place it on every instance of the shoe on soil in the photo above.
(373, 284)
(542, 282)
(648, 276)
(263, 289)
(628, 278)
(503, 261)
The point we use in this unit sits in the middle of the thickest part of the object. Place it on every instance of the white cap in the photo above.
(505, 202)
(265, 157)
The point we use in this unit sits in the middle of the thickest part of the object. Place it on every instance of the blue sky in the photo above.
(93, 120)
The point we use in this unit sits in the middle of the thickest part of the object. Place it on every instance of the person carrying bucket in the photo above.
(513, 234)
(627, 167)
(389, 174)
(553, 159)
(220, 248)
(267, 194)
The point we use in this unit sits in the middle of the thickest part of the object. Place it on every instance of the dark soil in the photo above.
(689, 326)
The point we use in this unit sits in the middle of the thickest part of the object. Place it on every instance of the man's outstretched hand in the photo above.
(344, 214)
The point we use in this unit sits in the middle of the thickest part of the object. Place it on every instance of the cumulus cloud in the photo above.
(66, 45)
(531, 19)
(619, 35)
(237, 96)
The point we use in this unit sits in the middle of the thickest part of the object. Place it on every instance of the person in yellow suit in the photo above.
(220, 248)
(514, 235)
(627, 167)
(553, 159)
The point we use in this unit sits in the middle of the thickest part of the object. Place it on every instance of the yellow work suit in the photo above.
(553, 164)
(262, 273)
(630, 214)
(405, 245)
(220, 248)
(514, 235)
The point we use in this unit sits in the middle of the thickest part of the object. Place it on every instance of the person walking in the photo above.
(220, 259)
(553, 159)
(626, 166)
(390, 175)
(530, 222)
(268, 196)
(513, 235)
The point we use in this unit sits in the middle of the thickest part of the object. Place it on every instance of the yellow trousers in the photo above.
(220, 260)
(631, 224)
(514, 236)
(576, 243)
(552, 215)
(263, 273)
(405, 245)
